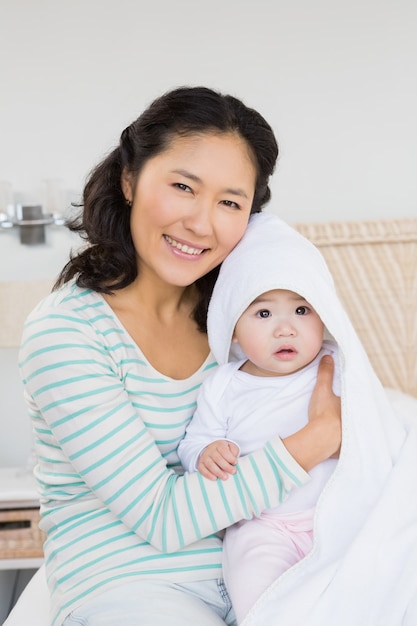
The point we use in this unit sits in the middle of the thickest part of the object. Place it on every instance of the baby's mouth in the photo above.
(285, 352)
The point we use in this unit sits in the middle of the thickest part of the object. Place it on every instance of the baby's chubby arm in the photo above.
(206, 446)
(218, 459)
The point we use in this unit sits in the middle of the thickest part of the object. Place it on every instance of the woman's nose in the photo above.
(199, 218)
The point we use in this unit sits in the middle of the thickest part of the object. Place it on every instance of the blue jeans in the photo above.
(157, 603)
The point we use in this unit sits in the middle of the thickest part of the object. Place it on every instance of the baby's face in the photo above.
(280, 333)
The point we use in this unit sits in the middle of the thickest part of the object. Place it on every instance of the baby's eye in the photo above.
(182, 186)
(263, 313)
(302, 310)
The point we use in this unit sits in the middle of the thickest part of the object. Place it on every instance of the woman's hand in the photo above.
(322, 436)
(325, 408)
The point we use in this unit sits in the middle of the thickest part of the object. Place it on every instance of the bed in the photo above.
(374, 264)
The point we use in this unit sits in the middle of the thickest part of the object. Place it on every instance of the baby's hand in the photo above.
(218, 460)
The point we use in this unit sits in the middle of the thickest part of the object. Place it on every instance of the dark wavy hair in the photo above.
(109, 261)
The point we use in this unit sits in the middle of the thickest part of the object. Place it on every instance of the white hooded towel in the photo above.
(362, 570)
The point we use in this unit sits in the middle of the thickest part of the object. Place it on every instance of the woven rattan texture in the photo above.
(374, 265)
(20, 536)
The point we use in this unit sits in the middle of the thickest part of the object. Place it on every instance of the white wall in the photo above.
(336, 79)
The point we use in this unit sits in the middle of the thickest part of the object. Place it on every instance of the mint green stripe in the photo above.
(90, 425)
(134, 360)
(68, 418)
(63, 346)
(166, 442)
(167, 453)
(154, 557)
(177, 519)
(122, 344)
(75, 521)
(57, 316)
(139, 574)
(191, 507)
(207, 502)
(168, 496)
(142, 519)
(282, 464)
(53, 366)
(277, 478)
(131, 482)
(172, 426)
(210, 366)
(82, 537)
(236, 479)
(85, 515)
(80, 396)
(90, 305)
(98, 318)
(56, 474)
(163, 410)
(141, 379)
(111, 454)
(225, 502)
(104, 555)
(50, 331)
(249, 493)
(92, 562)
(120, 469)
(46, 459)
(111, 331)
(260, 481)
(43, 431)
(139, 497)
(102, 440)
(77, 296)
(67, 381)
(154, 394)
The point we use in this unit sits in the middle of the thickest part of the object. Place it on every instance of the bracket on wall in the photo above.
(31, 222)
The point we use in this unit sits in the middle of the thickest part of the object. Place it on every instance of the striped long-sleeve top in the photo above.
(115, 504)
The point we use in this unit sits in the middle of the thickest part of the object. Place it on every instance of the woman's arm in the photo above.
(96, 447)
(207, 441)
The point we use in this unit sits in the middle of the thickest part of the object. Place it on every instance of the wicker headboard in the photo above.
(374, 265)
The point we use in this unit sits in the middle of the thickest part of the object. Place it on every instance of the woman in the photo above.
(113, 359)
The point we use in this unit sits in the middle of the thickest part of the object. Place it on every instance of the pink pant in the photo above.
(257, 551)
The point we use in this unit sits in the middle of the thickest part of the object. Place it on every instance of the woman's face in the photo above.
(191, 206)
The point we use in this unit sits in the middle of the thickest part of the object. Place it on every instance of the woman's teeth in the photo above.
(183, 247)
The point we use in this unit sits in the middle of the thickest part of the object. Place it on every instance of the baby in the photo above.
(268, 355)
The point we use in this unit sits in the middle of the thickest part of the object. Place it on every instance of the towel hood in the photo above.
(271, 255)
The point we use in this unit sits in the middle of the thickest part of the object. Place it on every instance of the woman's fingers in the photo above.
(325, 407)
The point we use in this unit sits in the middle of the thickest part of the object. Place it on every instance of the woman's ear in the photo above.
(127, 187)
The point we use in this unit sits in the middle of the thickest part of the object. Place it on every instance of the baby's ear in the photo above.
(234, 340)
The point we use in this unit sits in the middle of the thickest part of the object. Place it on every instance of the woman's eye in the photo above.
(182, 187)
(232, 204)
(263, 313)
(302, 310)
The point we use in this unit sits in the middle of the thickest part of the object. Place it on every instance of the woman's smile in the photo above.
(184, 248)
